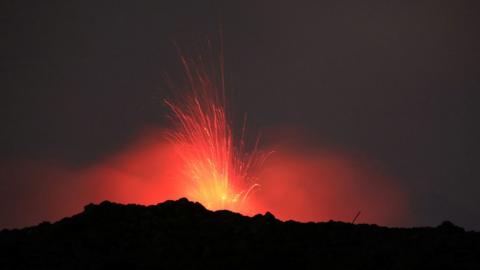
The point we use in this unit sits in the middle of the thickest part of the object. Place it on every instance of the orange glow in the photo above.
(301, 182)
(201, 159)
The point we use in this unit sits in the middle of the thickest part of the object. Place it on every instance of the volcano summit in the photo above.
(184, 235)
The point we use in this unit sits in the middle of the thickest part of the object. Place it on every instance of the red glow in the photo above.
(309, 183)
(314, 185)
(199, 159)
(143, 173)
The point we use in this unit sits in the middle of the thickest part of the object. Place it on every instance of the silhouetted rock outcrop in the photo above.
(184, 235)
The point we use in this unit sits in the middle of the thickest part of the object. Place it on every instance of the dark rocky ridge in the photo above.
(184, 235)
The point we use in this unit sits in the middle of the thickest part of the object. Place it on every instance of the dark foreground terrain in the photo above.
(184, 235)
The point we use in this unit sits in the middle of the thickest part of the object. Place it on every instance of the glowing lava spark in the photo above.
(218, 171)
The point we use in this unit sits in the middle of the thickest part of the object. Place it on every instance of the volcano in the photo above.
(184, 235)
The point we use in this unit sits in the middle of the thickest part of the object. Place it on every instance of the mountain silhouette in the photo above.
(184, 235)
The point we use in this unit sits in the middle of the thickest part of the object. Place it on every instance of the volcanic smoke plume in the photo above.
(201, 158)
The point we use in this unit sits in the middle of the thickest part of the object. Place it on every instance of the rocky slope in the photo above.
(184, 235)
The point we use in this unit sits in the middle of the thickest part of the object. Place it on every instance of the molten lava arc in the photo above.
(218, 171)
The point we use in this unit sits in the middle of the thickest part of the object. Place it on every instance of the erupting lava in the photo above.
(203, 160)
(218, 171)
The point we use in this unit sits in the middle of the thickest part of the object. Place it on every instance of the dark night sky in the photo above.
(396, 81)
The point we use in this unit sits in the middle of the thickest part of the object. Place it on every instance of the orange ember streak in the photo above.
(218, 173)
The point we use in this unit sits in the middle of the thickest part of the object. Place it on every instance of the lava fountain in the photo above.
(218, 169)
